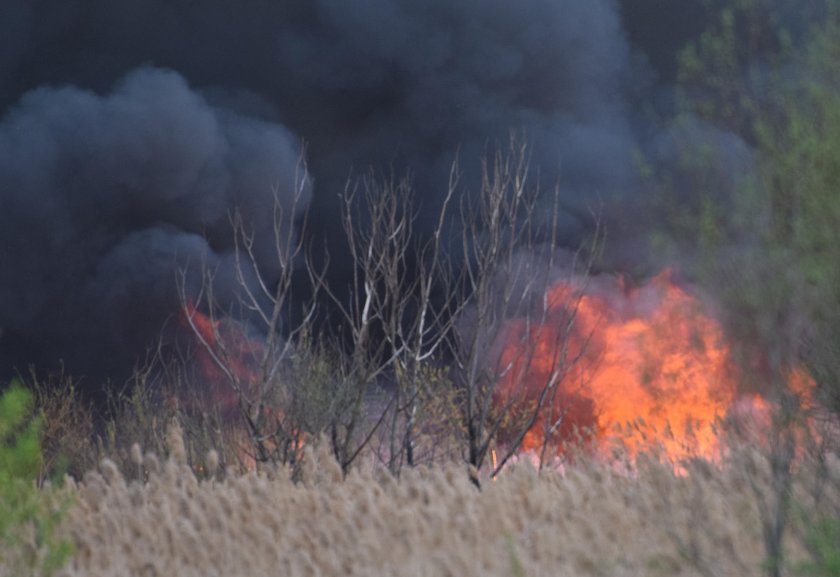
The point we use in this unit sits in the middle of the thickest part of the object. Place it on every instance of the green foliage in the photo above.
(29, 517)
(20, 453)
(766, 233)
(767, 74)
(823, 540)
(726, 75)
(516, 568)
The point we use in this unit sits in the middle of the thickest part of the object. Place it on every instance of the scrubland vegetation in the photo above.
(390, 448)
(173, 507)
(160, 516)
(590, 521)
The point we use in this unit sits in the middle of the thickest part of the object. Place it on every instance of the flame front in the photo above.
(229, 380)
(647, 360)
(226, 359)
(222, 344)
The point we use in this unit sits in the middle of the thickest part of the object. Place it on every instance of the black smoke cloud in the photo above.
(106, 198)
(131, 129)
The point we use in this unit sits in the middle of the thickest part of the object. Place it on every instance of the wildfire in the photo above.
(224, 359)
(646, 366)
(221, 345)
(645, 361)
(227, 359)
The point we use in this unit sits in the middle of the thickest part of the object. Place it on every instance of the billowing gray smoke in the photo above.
(105, 199)
(131, 129)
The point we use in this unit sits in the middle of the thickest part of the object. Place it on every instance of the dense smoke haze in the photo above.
(130, 130)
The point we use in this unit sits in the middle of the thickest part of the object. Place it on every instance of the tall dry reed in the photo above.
(590, 520)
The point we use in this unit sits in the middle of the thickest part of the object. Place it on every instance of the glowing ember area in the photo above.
(218, 344)
(646, 361)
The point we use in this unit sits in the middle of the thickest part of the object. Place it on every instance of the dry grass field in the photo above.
(590, 519)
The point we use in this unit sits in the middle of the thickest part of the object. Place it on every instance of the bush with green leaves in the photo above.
(823, 541)
(759, 139)
(30, 517)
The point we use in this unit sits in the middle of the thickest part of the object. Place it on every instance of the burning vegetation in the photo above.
(645, 360)
(646, 368)
(434, 367)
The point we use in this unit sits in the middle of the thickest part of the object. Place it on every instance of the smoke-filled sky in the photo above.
(129, 130)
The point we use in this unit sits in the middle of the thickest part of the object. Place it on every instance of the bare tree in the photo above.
(420, 326)
(255, 369)
(413, 303)
(502, 231)
(395, 328)
(408, 270)
(569, 365)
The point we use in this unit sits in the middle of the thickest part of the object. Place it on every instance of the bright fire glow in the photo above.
(646, 360)
(222, 343)
(227, 360)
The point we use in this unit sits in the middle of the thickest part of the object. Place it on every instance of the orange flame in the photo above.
(227, 342)
(225, 358)
(647, 360)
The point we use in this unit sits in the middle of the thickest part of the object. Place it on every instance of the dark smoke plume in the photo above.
(131, 129)
(106, 198)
